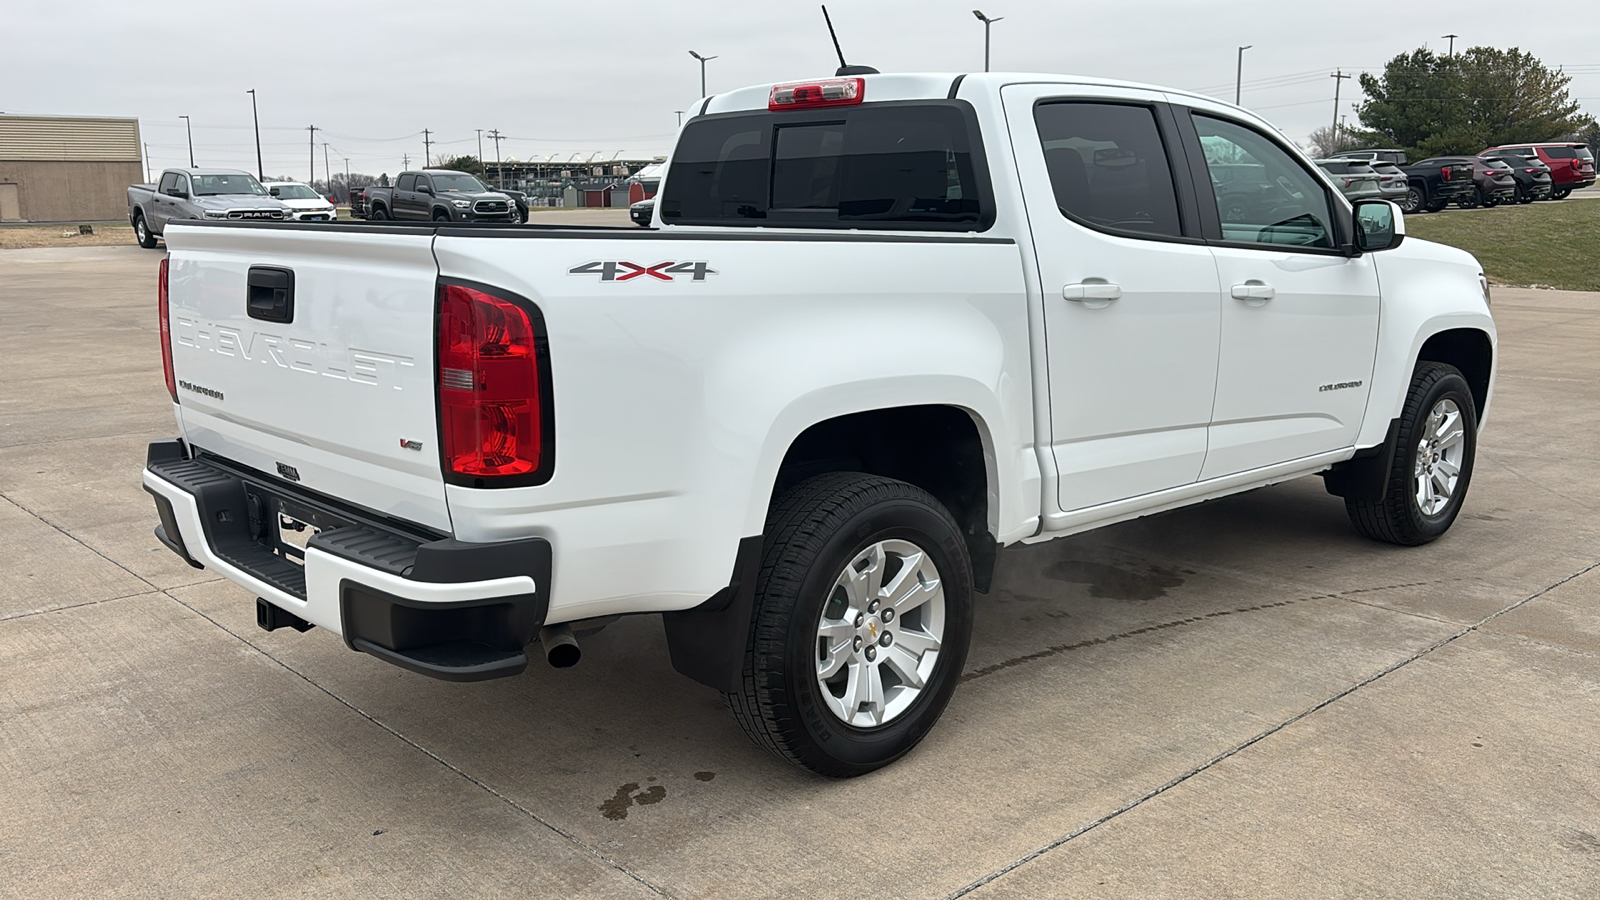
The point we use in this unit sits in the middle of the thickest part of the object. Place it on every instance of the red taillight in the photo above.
(490, 415)
(816, 94)
(1444, 173)
(166, 331)
(1578, 164)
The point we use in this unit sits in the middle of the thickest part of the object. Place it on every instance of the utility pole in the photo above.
(986, 21)
(405, 161)
(327, 169)
(312, 155)
(680, 117)
(1238, 74)
(1452, 38)
(346, 179)
(480, 146)
(499, 174)
(260, 169)
(190, 132)
(427, 147)
(146, 162)
(703, 61)
(1338, 81)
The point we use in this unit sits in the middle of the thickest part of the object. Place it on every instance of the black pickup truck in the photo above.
(437, 195)
(1437, 182)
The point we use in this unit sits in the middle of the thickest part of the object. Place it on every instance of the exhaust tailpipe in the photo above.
(560, 647)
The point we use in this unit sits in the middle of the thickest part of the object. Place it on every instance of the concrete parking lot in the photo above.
(1242, 699)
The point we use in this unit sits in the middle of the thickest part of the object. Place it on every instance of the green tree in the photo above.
(1431, 104)
(469, 164)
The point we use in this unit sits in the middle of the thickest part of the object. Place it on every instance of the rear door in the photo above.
(1131, 306)
(405, 197)
(327, 378)
(1299, 317)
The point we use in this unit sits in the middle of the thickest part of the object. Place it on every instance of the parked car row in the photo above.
(1512, 173)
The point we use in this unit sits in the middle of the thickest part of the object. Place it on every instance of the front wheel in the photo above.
(863, 612)
(1432, 466)
(141, 232)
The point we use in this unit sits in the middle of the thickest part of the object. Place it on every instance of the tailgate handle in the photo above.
(271, 294)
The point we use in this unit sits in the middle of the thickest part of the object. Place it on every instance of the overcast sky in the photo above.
(592, 78)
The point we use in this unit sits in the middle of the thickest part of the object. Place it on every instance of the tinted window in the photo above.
(406, 183)
(1560, 152)
(1263, 194)
(908, 166)
(1337, 168)
(1108, 166)
(167, 181)
(462, 182)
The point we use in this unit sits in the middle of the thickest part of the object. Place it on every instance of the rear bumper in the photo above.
(445, 608)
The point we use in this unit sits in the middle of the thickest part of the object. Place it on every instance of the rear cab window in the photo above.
(907, 166)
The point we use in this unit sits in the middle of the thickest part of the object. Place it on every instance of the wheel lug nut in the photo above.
(857, 644)
(888, 616)
(887, 639)
(860, 620)
(872, 607)
(872, 653)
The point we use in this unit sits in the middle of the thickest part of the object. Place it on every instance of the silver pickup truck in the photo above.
(199, 194)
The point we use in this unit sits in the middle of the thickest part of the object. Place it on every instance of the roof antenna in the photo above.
(844, 67)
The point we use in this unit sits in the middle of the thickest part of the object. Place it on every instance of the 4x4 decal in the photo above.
(620, 270)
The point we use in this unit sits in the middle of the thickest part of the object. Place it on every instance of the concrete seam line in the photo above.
(1238, 748)
(360, 712)
(55, 609)
(471, 779)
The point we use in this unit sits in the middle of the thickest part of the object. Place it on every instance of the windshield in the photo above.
(456, 181)
(294, 192)
(236, 183)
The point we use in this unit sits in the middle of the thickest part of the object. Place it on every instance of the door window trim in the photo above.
(1211, 216)
(1189, 217)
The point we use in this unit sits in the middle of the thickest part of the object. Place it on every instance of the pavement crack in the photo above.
(55, 609)
(487, 788)
(1246, 744)
(1058, 649)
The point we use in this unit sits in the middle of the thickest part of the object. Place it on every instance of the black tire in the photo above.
(813, 531)
(1413, 201)
(1398, 518)
(1472, 201)
(440, 215)
(1436, 205)
(1560, 193)
(1521, 196)
(377, 214)
(141, 232)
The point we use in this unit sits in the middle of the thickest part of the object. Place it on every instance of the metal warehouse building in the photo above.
(67, 169)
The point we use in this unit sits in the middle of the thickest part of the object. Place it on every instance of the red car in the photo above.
(1571, 164)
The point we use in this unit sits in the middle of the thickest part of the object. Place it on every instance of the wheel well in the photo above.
(1467, 349)
(936, 448)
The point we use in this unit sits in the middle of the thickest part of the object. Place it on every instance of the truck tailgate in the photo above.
(334, 391)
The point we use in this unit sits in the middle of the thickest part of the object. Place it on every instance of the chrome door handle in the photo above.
(1092, 290)
(1254, 292)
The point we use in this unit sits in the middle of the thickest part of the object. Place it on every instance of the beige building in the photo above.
(67, 169)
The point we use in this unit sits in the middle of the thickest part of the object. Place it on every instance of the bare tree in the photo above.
(1325, 144)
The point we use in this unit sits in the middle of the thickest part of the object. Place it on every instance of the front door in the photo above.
(1131, 306)
(1299, 315)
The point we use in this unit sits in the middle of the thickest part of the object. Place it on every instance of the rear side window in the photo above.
(905, 166)
(1108, 166)
(1560, 152)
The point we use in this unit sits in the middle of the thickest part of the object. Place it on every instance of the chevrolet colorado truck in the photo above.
(209, 194)
(882, 326)
(438, 195)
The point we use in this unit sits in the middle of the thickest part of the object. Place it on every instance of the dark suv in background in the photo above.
(1571, 164)
(1495, 183)
(1532, 175)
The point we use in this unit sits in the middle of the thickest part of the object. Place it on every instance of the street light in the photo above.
(190, 132)
(1238, 74)
(703, 61)
(260, 169)
(1452, 38)
(986, 23)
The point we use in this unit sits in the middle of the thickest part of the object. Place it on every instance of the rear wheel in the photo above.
(1432, 466)
(1560, 193)
(1413, 200)
(141, 232)
(378, 214)
(863, 611)
(1522, 195)
(1472, 201)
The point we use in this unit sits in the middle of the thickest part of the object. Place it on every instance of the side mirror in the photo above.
(275, 191)
(1379, 225)
(424, 189)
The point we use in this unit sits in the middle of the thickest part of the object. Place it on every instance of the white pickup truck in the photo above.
(882, 326)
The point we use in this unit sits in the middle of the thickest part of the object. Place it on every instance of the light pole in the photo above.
(327, 170)
(260, 169)
(680, 117)
(480, 145)
(190, 132)
(986, 23)
(1452, 38)
(703, 61)
(1238, 74)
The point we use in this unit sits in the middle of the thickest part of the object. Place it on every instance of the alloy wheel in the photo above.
(1440, 451)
